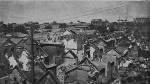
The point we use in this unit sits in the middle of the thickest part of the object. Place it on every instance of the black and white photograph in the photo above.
(74, 41)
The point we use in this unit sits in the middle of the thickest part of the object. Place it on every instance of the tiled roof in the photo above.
(28, 41)
(40, 36)
(2, 41)
(16, 40)
(2, 35)
(121, 49)
(27, 74)
(8, 44)
(148, 47)
(100, 65)
(20, 71)
(7, 68)
(89, 32)
(75, 30)
(113, 52)
(52, 79)
(55, 30)
(18, 34)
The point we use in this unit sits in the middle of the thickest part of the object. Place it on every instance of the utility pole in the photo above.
(32, 53)
(119, 24)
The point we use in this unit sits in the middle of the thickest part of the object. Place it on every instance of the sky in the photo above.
(67, 11)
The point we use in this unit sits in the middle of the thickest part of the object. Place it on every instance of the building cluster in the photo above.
(76, 53)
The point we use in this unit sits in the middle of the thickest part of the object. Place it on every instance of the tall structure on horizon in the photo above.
(141, 20)
(96, 22)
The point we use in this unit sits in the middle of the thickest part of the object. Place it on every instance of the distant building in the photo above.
(96, 22)
(141, 20)
(106, 22)
(90, 33)
(144, 23)
(81, 25)
(19, 35)
(55, 26)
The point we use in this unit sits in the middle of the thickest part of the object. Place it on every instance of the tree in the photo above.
(102, 29)
(148, 24)
(112, 29)
(92, 26)
(26, 24)
(79, 21)
(1, 22)
(20, 28)
(5, 29)
(37, 23)
(1, 29)
(115, 23)
(54, 22)
(71, 22)
(48, 27)
(62, 25)
(10, 27)
(36, 26)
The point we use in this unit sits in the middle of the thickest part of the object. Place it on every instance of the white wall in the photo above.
(92, 50)
(66, 32)
(71, 44)
(126, 63)
(11, 60)
(24, 59)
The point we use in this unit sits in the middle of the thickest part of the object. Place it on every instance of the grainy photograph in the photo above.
(74, 42)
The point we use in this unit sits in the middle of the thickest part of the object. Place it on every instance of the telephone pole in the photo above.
(32, 52)
(119, 24)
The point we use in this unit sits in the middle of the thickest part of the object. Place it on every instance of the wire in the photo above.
(81, 12)
(97, 12)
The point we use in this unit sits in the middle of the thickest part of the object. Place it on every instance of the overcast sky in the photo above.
(66, 11)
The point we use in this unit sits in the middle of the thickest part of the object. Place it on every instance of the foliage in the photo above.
(71, 22)
(102, 29)
(6, 28)
(54, 22)
(62, 25)
(48, 27)
(92, 26)
(20, 28)
(112, 29)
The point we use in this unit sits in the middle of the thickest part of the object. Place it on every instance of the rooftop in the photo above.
(89, 32)
(96, 19)
(2, 41)
(16, 40)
